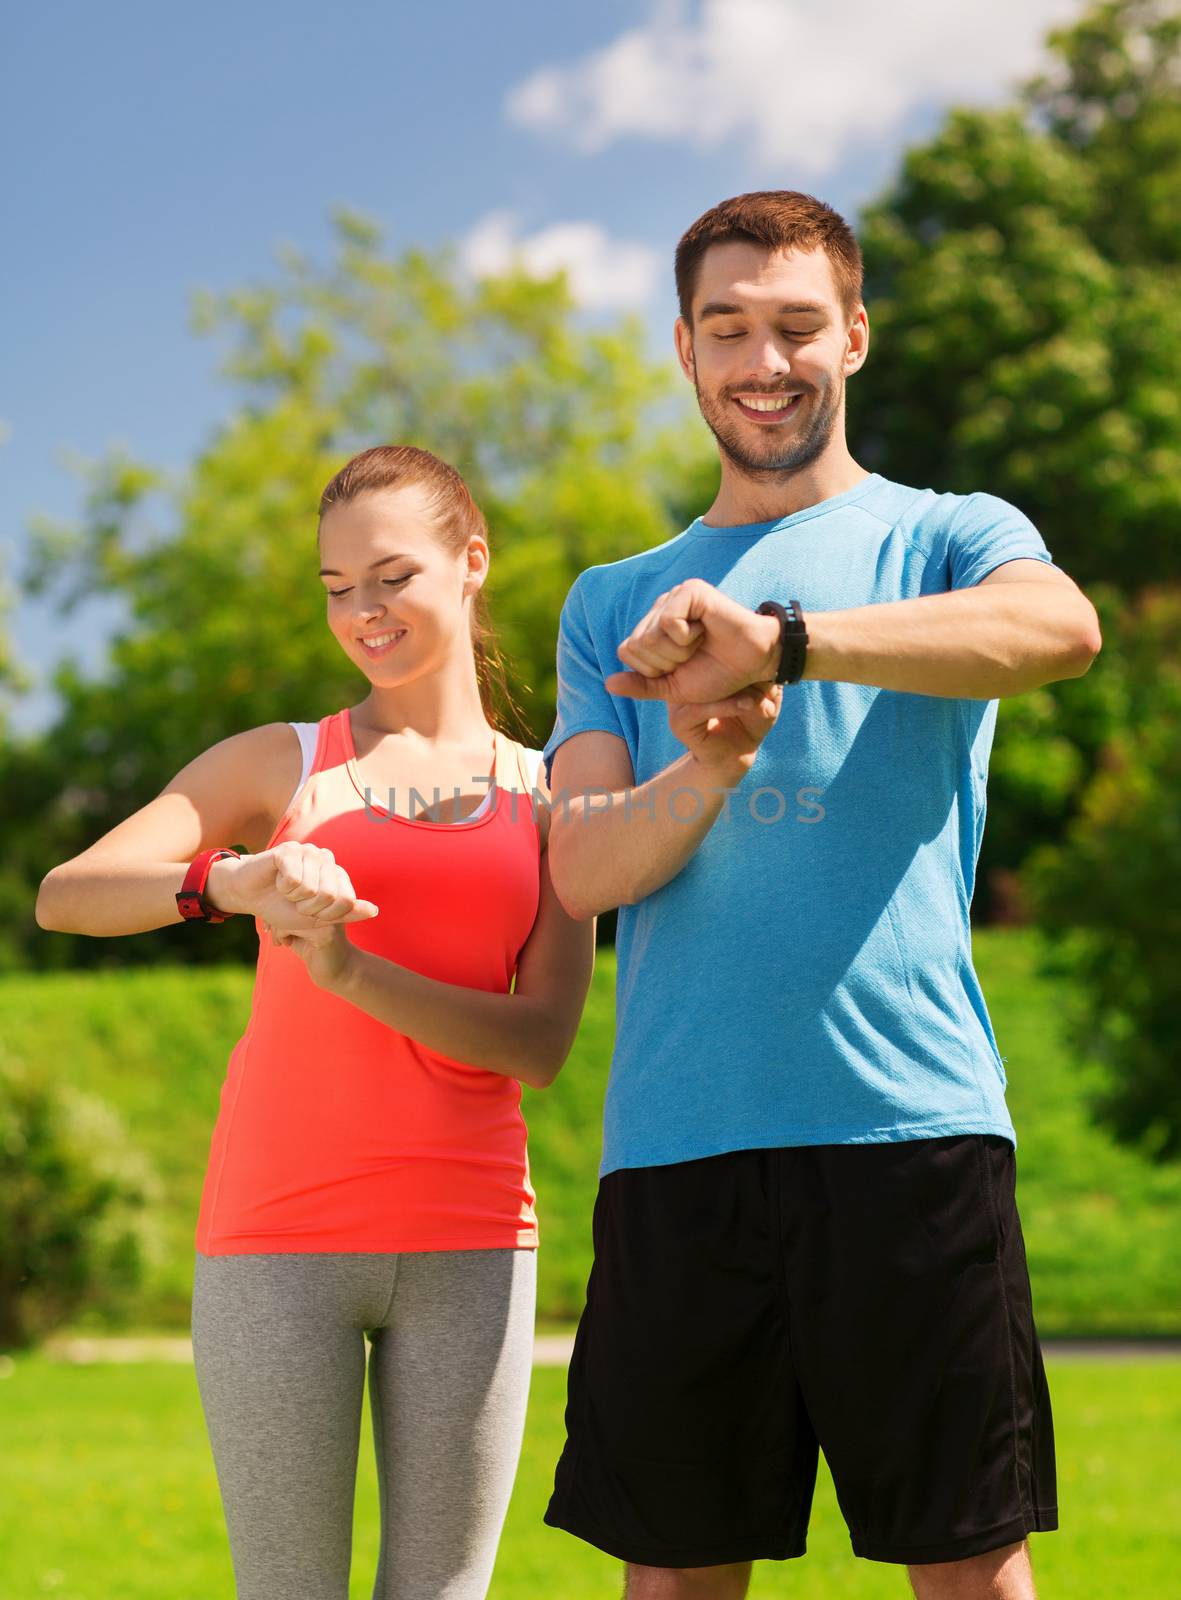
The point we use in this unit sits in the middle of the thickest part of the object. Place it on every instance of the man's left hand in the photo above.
(696, 644)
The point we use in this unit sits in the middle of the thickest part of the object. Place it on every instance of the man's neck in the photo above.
(742, 499)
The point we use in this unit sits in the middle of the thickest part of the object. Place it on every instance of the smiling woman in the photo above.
(368, 1171)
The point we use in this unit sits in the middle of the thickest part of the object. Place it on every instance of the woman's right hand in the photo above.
(294, 887)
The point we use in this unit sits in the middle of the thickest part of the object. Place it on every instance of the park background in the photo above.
(245, 246)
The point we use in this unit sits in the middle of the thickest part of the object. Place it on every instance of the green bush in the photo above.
(1101, 1224)
(75, 1198)
(1109, 896)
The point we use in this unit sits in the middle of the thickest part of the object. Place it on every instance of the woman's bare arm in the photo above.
(526, 1034)
(127, 881)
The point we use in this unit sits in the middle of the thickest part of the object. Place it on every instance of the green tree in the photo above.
(575, 445)
(1110, 94)
(1024, 291)
(14, 680)
(1024, 281)
(1109, 895)
(1012, 352)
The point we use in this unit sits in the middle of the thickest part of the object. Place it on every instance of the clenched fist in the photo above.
(296, 887)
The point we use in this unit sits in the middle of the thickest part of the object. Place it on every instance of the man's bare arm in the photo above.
(1023, 625)
(1027, 623)
(612, 842)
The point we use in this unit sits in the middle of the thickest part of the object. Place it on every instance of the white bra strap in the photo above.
(504, 774)
(308, 734)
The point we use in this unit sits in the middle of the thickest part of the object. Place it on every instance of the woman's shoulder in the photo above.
(533, 763)
(534, 768)
(265, 741)
(267, 762)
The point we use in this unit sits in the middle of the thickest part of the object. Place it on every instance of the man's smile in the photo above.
(768, 408)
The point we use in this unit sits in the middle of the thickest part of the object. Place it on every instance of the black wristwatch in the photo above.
(793, 638)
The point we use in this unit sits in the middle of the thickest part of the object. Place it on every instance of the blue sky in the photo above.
(150, 150)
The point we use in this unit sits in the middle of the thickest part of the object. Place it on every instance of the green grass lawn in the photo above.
(1102, 1226)
(108, 1492)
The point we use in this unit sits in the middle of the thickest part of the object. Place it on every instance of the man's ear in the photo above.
(861, 321)
(683, 344)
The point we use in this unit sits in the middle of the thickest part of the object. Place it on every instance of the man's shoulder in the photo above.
(923, 515)
(599, 586)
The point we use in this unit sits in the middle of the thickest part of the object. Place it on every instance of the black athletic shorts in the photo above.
(745, 1309)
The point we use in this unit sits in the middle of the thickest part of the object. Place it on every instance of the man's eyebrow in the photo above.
(721, 308)
(331, 572)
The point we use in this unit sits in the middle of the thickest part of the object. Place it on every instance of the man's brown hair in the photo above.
(779, 219)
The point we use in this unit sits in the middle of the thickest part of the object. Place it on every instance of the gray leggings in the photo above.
(278, 1342)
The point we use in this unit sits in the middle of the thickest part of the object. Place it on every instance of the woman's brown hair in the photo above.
(456, 517)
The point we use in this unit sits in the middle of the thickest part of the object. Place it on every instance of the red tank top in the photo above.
(335, 1132)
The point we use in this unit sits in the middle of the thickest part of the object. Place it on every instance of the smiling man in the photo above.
(805, 1233)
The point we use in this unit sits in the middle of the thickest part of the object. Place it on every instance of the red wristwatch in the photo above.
(191, 900)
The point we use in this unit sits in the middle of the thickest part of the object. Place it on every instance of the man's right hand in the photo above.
(294, 887)
(736, 733)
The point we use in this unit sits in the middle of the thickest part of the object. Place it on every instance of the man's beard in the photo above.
(808, 437)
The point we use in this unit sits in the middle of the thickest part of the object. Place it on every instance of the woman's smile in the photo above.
(380, 644)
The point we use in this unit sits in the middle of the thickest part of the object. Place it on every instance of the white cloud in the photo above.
(804, 84)
(602, 271)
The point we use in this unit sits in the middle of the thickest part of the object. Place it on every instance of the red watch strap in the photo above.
(191, 900)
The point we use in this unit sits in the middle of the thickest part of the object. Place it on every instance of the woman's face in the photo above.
(396, 598)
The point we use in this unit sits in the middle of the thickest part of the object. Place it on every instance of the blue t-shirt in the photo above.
(806, 977)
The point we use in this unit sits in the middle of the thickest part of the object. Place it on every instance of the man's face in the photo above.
(768, 331)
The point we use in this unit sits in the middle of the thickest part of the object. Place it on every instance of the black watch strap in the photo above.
(793, 638)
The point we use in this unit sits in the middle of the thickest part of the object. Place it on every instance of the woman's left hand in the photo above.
(326, 952)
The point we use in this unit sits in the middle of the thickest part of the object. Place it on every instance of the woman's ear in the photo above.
(477, 563)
